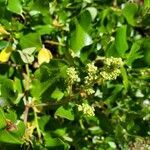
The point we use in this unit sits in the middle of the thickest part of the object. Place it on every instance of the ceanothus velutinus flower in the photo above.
(72, 75)
(92, 73)
(111, 69)
(86, 109)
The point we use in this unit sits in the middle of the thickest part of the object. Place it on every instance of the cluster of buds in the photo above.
(92, 71)
(115, 62)
(141, 144)
(86, 109)
(90, 78)
(89, 91)
(98, 71)
(72, 75)
(72, 78)
(110, 75)
(111, 69)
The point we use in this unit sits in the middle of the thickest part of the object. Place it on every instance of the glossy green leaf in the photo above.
(65, 112)
(18, 85)
(11, 115)
(121, 43)
(7, 90)
(26, 55)
(13, 136)
(112, 144)
(79, 38)
(100, 56)
(40, 6)
(30, 40)
(3, 44)
(46, 79)
(57, 94)
(130, 12)
(15, 6)
(134, 53)
(111, 50)
(29, 51)
(7, 137)
(93, 12)
(43, 121)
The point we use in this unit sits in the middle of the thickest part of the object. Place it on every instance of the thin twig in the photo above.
(54, 43)
(37, 123)
(26, 113)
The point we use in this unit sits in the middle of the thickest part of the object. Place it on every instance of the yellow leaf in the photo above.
(44, 55)
(5, 54)
(3, 31)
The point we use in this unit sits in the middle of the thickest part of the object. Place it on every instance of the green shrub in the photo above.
(74, 74)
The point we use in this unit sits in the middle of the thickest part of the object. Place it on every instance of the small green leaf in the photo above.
(112, 145)
(79, 38)
(28, 59)
(125, 78)
(27, 55)
(29, 50)
(18, 84)
(31, 40)
(14, 136)
(134, 53)
(46, 79)
(121, 40)
(111, 50)
(93, 12)
(44, 29)
(8, 137)
(15, 6)
(57, 94)
(65, 112)
(3, 44)
(11, 116)
(7, 90)
(130, 12)
(43, 121)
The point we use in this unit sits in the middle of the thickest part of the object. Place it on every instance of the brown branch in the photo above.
(26, 111)
(54, 43)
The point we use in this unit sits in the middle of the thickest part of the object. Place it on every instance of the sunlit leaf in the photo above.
(5, 54)
(121, 40)
(30, 40)
(65, 113)
(134, 53)
(3, 31)
(15, 6)
(44, 55)
(130, 12)
(79, 38)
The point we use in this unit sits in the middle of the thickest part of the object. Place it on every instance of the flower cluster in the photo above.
(72, 75)
(110, 75)
(89, 91)
(141, 144)
(117, 62)
(92, 71)
(111, 68)
(86, 109)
